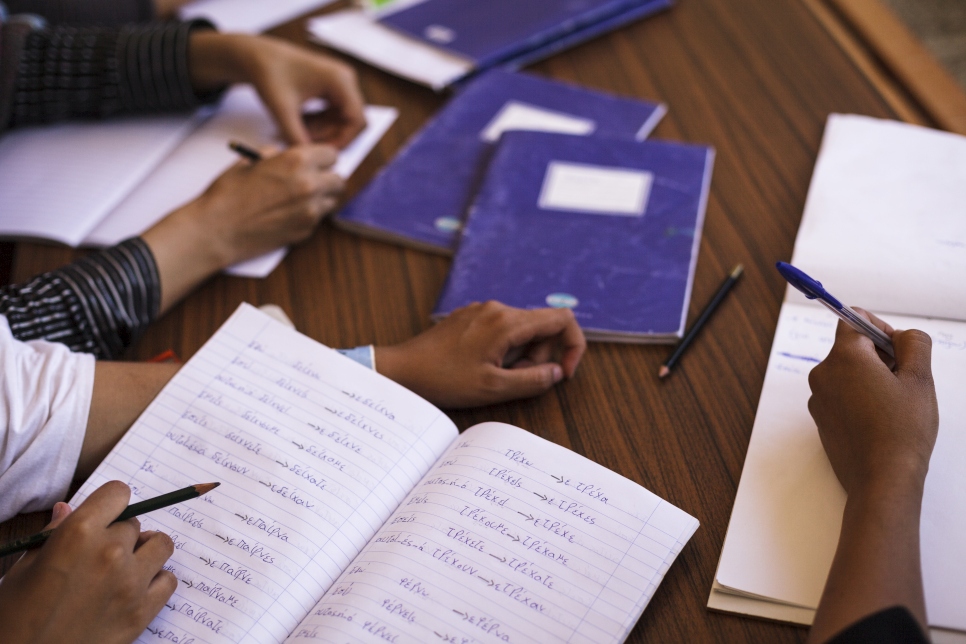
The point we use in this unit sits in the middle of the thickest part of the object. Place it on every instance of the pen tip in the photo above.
(664, 372)
(737, 271)
(204, 488)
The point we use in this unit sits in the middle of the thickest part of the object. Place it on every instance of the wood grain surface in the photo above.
(754, 78)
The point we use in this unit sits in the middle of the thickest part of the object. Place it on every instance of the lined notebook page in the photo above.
(314, 452)
(509, 538)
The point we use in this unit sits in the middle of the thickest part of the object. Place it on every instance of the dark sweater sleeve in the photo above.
(94, 72)
(99, 304)
(102, 13)
(894, 625)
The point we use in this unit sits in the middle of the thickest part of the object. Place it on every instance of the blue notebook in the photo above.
(608, 228)
(492, 32)
(420, 198)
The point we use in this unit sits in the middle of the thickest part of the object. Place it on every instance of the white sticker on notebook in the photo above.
(515, 115)
(595, 189)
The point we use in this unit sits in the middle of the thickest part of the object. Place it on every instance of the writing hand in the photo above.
(249, 210)
(285, 76)
(93, 581)
(875, 422)
(487, 353)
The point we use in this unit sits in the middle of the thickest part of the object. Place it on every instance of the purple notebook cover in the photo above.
(489, 32)
(421, 197)
(626, 275)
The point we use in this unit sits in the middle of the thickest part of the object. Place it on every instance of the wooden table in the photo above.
(755, 79)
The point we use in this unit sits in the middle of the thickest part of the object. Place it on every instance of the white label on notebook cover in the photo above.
(595, 189)
(515, 115)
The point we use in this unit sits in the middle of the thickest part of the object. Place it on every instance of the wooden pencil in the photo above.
(701, 321)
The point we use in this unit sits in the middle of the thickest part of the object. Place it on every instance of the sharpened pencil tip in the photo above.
(204, 488)
(664, 372)
(737, 271)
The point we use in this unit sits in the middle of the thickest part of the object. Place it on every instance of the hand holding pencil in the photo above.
(97, 579)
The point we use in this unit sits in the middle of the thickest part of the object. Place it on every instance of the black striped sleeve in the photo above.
(99, 304)
(93, 72)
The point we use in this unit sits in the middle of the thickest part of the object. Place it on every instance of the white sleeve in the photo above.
(45, 399)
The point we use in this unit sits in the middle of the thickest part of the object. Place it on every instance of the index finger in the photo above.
(344, 95)
(104, 504)
(877, 322)
(544, 323)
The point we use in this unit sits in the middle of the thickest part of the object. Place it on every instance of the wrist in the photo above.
(888, 483)
(185, 252)
(389, 362)
(216, 60)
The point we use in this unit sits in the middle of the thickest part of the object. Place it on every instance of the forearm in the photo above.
(877, 563)
(122, 391)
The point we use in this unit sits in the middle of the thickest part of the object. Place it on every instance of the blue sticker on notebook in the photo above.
(562, 301)
(448, 224)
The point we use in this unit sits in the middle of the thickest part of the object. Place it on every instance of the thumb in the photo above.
(913, 350)
(288, 116)
(61, 512)
(524, 382)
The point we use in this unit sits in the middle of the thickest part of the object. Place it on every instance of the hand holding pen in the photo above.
(813, 290)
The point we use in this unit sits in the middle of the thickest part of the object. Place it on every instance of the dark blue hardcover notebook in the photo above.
(490, 32)
(587, 33)
(608, 228)
(420, 198)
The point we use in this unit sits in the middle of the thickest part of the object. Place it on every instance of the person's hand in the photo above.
(249, 210)
(93, 581)
(875, 422)
(286, 76)
(487, 353)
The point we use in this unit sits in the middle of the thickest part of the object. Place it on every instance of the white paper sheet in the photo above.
(204, 155)
(508, 536)
(57, 182)
(249, 16)
(354, 32)
(885, 222)
(314, 452)
(787, 515)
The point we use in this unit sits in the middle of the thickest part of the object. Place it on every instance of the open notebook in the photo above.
(352, 510)
(96, 183)
(884, 228)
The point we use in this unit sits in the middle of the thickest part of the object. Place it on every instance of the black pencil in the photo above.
(249, 153)
(701, 321)
(136, 509)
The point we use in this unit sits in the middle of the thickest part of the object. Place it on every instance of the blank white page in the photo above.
(885, 221)
(313, 452)
(249, 16)
(508, 538)
(204, 155)
(788, 512)
(59, 181)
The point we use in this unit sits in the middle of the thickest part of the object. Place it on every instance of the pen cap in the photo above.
(811, 288)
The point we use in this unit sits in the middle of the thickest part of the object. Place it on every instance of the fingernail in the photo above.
(557, 373)
(61, 510)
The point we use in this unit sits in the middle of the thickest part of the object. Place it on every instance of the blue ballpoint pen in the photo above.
(813, 290)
